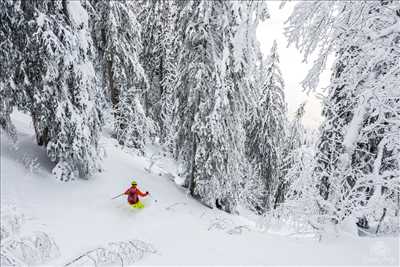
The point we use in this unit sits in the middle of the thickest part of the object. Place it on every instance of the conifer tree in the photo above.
(266, 131)
(55, 78)
(118, 39)
(157, 56)
(357, 167)
(9, 96)
(209, 140)
(293, 140)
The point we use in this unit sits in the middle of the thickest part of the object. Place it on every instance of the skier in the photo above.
(133, 196)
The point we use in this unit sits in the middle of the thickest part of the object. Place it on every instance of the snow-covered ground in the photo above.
(80, 216)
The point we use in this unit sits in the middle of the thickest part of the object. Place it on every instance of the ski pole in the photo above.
(117, 196)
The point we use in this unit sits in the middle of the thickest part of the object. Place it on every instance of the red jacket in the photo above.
(133, 193)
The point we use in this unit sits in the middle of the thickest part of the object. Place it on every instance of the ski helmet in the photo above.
(134, 183)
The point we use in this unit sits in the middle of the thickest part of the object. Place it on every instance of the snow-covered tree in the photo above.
(9, 97)
(158, 19)
(118, 38)
(358, 154)
(247, 73)
(209, 135)
(246, 50)
(133, 127)
(293, 140)
(54, 75)
(172, 45)
(300, 197)
(266, 129)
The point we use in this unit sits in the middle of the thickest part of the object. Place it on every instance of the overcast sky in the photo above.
(293, 70)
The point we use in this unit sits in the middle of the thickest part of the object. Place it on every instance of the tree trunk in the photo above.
(42, 137)
(114, 94)
(380, 221)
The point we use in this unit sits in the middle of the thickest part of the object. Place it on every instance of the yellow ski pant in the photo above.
(137, 205)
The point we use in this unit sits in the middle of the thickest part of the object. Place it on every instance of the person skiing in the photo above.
(133, 196)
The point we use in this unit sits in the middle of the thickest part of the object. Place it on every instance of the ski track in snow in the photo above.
(81, 216)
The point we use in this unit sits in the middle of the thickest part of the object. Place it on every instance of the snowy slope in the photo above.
(81, 216)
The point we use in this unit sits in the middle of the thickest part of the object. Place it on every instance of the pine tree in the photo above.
(157, 57)
(298, 200)
(266, 132)
(357, 164)
(9, 14)
(247, 74)
(55, 76)
(246, 43)
(133, 127)
(172, 45)
(208, 139)
(293, 140)
(118, 39)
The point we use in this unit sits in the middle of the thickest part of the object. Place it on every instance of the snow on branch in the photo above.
(114, 253)
(20, 250)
